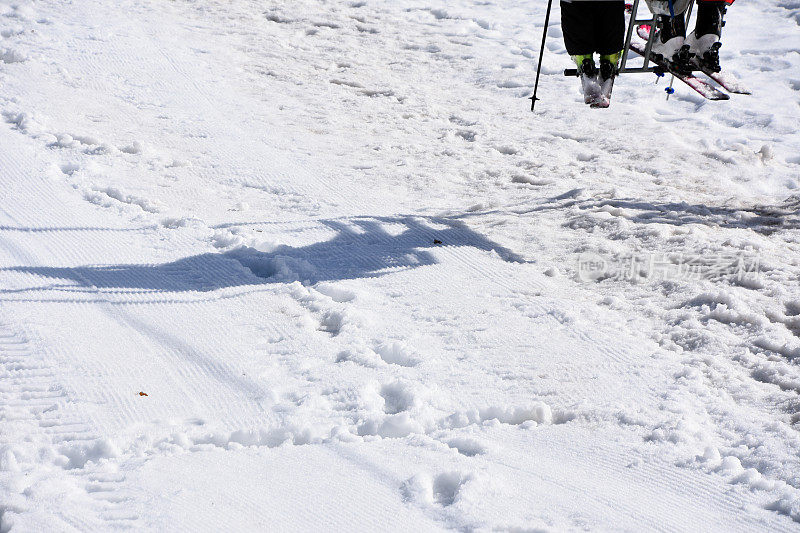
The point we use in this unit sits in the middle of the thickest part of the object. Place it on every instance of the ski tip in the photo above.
(600, 103)
(736, 90)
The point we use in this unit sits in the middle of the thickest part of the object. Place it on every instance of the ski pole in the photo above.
(687, 17)
(541, 54)
(670, 90)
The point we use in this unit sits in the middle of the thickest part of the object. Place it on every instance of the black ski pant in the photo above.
(593, 26)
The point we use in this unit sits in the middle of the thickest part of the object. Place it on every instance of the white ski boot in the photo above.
(587, 72)
(704, 41)
(705, 51)
(670, 43)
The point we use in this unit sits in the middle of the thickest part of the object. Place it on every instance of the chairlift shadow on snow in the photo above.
(361, 248)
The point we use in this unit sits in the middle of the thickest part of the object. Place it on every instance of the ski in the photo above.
(701, 87)
(592, 92)
(727, 81)
(606, 86)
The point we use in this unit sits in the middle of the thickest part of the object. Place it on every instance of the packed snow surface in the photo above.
(314, 265)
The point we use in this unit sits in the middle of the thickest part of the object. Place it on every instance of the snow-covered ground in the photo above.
(314, 265)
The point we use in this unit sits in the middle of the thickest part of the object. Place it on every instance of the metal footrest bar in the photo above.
(630, 70)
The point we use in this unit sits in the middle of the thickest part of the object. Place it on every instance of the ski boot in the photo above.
(587, 71)
(670, 45)
(704, 40)
(609, 68)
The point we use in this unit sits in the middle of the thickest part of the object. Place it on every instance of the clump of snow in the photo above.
(25, 122)
(8, 460)
(419, 489)
(467, 446)
(789, 348)
(80, 454)
(788, 504)
(398, 426)
(336, 292)
(12, 55)
(135, 148)
(397, 353)
(103, 196)
(23, 11)
(226, 239)
(442, 490)
(275, 267)
(70, 168)
(538, 412)
(362, 356)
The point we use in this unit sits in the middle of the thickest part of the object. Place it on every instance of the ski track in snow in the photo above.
(338, 257)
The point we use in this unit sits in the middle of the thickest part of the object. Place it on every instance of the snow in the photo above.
(317, 267)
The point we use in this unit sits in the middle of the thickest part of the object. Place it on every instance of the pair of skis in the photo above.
(702, 87)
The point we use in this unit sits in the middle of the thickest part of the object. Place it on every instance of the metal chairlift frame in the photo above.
(633, 23)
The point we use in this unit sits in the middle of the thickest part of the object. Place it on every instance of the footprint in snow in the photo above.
(70, 168)
(443, 490)
(398, 397)
(467, 135)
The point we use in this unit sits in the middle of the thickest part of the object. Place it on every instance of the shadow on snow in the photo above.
(361, 248)
(764, 219)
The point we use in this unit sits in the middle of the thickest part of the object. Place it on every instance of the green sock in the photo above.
(580, 58)
(613, 58)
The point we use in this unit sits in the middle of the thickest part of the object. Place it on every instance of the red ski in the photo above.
(727, 81)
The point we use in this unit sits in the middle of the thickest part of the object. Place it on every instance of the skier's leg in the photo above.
(576, 25)
(704, 41)
(668, 7)
(609, 31)
(670, 40)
